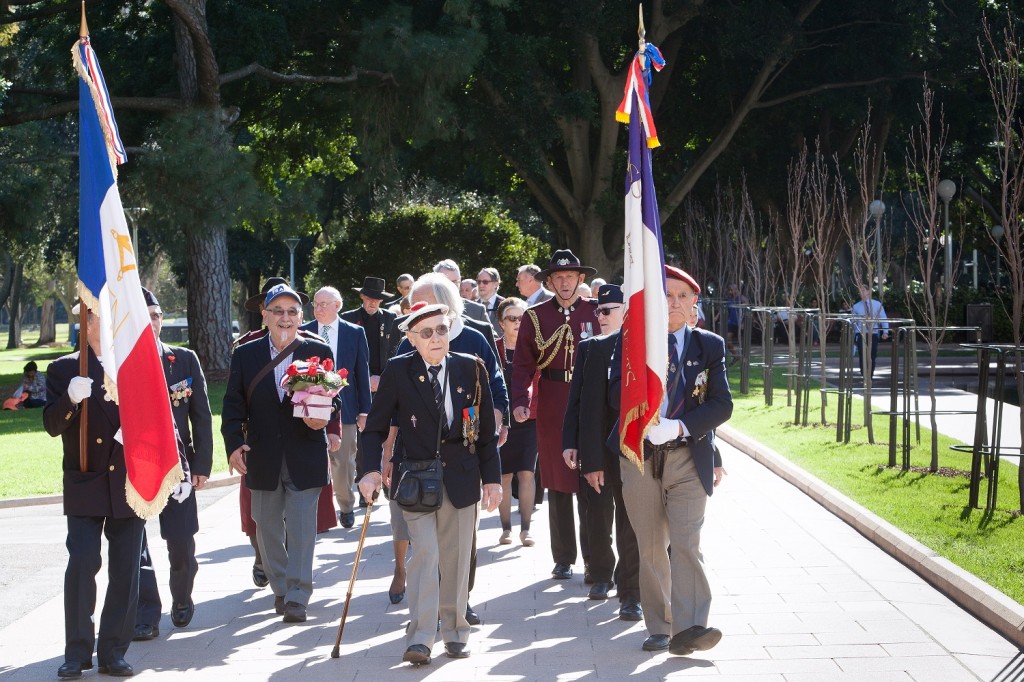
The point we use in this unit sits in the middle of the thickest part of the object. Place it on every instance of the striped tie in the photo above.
(439, 399)
(673, 378)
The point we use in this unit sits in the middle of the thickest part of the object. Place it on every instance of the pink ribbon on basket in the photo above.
(300, 398)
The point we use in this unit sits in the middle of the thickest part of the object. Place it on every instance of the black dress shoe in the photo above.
(655, 643)
(116, 668)
(181, 614)
(348, 519)
(599, 590)
(72, 670)
(471, 616)
(278, 605)
(630, 610)
(561, 572)
(455, 650)
(696, 638)
(144, 633)
(259, 576)
(417, 654)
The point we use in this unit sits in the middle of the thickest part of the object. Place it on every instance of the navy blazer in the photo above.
(589, 416)
(406, 396)
(100, 490)
(704, 352)
(192, 417)
(273, 435)
(354, 355)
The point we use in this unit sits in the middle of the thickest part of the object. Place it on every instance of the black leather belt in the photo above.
(651, 449)
(556, 375)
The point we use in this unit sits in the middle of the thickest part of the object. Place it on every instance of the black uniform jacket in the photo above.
(405, 394)
(273, 434)
(99, 491)
(192, 416)
(588, 415)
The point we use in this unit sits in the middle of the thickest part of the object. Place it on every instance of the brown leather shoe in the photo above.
(294, 612)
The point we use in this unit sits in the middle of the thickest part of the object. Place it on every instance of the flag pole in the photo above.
(83, 336)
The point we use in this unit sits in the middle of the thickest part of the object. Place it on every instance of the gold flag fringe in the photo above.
(634, 414)
(147, 509)
(108, 136)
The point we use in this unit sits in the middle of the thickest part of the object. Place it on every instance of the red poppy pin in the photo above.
(171, 358)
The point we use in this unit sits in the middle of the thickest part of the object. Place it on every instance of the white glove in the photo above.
(79, 389)
(664, 431)
(182, 492)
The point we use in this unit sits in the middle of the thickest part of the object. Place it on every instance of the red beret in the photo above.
(683, 276)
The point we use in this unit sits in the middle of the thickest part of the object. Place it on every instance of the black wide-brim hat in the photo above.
(373, 287)
(564, 259)
(253, 303)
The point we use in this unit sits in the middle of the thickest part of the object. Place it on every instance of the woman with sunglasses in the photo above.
(519, 453)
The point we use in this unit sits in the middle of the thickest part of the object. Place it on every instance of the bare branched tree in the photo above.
(926, 147)
(1001, 60)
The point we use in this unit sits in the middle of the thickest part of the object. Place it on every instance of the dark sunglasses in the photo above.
(441, 329)
(512, 318)
(601, 312)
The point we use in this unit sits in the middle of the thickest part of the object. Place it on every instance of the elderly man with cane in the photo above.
(442, 404)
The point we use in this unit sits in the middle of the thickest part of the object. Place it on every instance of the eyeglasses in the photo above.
(512, 318)
(486, 281)
(280, 312)
(441, 329)
(600, 312)
(324, 304)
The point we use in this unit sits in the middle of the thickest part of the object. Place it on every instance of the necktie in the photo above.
(439, 398)
(326, 331)
(674, 374)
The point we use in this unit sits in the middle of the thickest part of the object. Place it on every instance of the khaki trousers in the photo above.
(454, 530)
(674, 591)
(343, 468)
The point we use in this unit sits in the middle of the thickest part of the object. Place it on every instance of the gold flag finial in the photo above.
(640, 31)
(83, 32)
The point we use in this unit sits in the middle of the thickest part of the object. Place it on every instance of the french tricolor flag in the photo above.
(108, 283)
(645, 327)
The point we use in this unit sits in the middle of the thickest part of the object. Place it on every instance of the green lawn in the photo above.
(30, 460)
(930, 508)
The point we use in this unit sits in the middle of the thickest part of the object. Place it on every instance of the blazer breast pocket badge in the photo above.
(700, 387)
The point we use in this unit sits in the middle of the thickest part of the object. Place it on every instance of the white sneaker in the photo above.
(525, 538)
(506, 538)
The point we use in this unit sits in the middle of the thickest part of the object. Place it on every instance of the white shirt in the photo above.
(875, 312)
(331, 336)
(443, 380)
(280, 369)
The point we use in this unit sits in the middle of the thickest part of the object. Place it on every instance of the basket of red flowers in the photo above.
(313, 384)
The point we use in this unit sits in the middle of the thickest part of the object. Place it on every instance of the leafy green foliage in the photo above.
(474, 232)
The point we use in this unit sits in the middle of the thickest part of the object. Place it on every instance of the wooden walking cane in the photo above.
(352, 580)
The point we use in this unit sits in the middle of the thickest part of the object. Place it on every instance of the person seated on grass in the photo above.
(32, 390)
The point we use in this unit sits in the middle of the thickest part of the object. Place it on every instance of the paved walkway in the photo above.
(798, 593)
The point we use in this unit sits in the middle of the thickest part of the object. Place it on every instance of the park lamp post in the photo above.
(947, 188)
(292, 242)
(997, 234)
(877, 210)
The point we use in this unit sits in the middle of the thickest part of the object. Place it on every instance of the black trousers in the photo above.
(603, 510)
(179, 522)
(117, 620)
(858, 350)
(563, 527)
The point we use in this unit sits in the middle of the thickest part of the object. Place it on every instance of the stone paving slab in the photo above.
(799, 594)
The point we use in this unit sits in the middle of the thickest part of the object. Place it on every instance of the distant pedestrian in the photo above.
(872, 323)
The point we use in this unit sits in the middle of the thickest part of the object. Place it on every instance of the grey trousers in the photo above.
(343, 468)
(286, 528)
(454, 530)
(674, 591)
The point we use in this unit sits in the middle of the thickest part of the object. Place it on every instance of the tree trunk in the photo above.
(591, 249)
(48, 321)
(8, 273)
(14, 309)
(209, 296)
